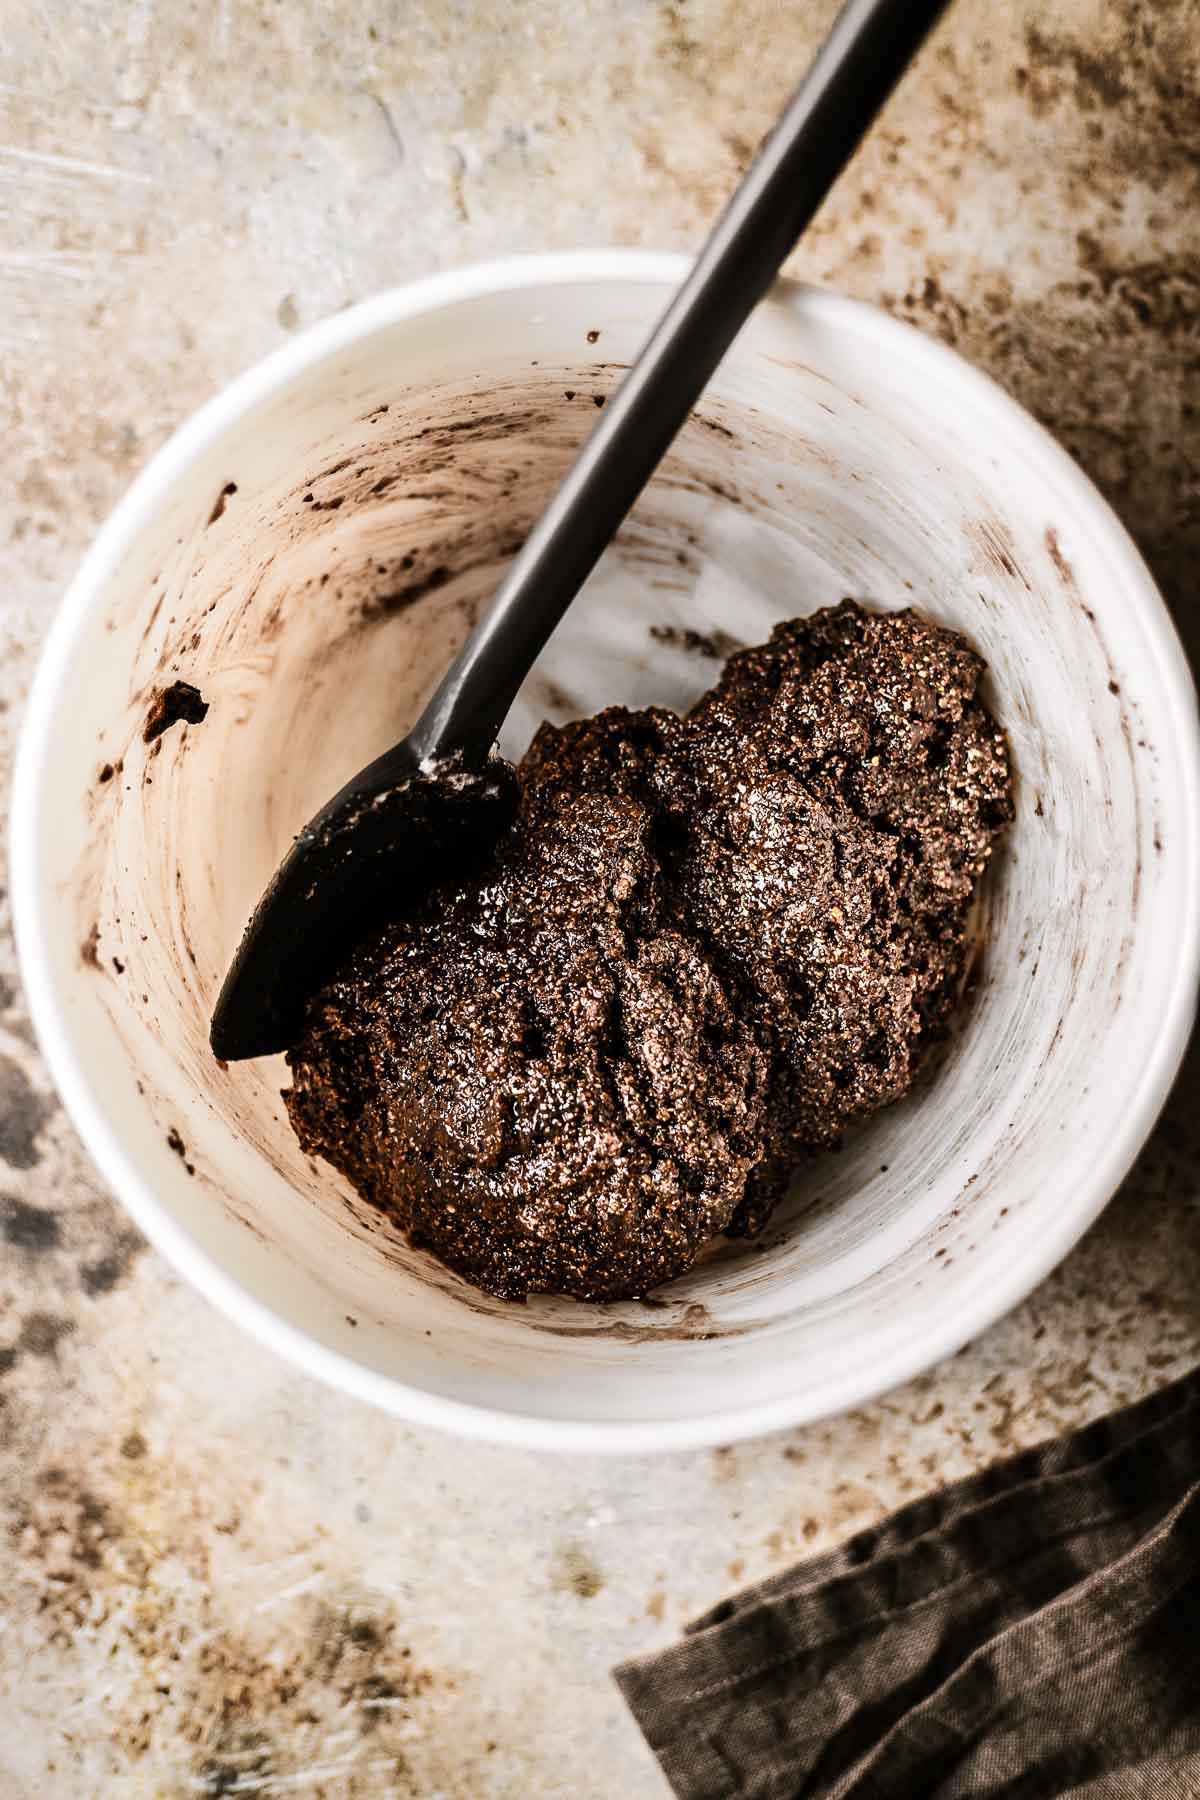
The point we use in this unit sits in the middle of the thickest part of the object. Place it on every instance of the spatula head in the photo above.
(371, 855)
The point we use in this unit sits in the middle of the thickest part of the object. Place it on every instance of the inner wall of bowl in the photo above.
(312, 573)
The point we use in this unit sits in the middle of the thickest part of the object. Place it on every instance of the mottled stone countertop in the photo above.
(218, 1577)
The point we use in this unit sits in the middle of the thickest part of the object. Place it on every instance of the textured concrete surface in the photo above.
(216, 1577)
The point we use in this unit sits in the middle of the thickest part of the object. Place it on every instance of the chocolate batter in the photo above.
(708, 945)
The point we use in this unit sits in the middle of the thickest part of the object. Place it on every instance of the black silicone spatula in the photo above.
(439, 800)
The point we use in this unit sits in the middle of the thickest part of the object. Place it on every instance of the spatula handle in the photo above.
(870, 46)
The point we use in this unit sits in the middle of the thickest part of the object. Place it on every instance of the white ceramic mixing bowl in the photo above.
(308, 551)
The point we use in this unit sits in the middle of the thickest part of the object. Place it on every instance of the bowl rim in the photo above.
(966, 1313)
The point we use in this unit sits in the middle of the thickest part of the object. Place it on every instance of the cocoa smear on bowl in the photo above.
(708, 945)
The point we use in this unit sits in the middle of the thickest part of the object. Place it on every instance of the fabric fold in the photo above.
(871, 1659)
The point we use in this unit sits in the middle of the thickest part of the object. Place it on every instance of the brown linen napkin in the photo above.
(1031, 1632)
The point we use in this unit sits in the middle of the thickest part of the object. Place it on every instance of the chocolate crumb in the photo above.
(226, 493)
(106, 773)
(180, 702)
(593, 337)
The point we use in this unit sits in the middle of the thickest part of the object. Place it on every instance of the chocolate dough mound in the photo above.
(708, 945)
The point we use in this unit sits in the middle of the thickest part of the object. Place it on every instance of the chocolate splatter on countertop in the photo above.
(708, 945)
